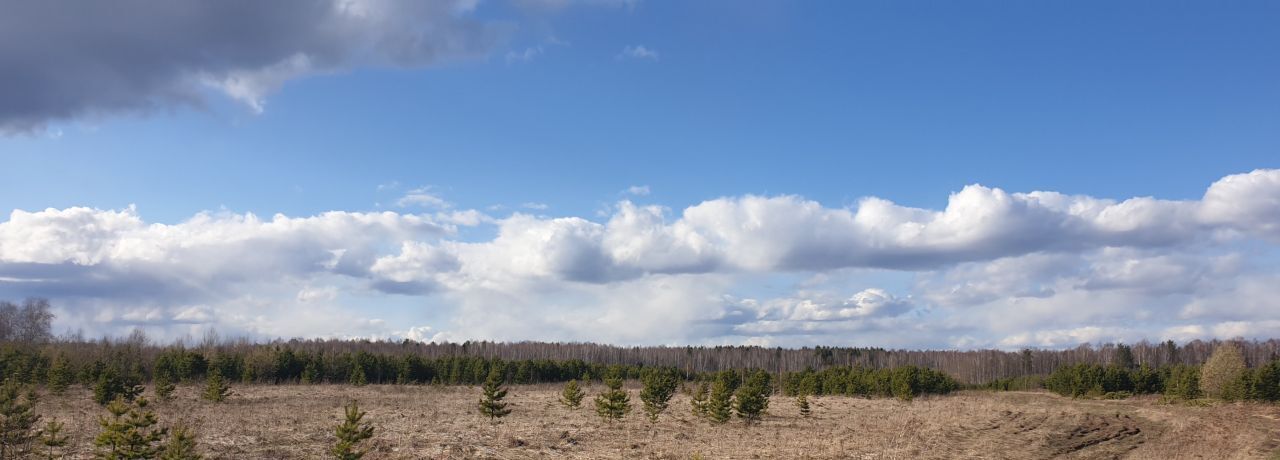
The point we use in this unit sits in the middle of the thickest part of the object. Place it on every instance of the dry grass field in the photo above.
(269, 422)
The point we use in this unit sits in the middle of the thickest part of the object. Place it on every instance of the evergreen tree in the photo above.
(698, 401)
(60, 374)
(357, 377)
(111, 384)
(904, 382)
(216, 389)
(131, 432)
(248, 375)
(351, 433)
(52, 438)
(752, 398)
(572, 395)
(1123, 357)
(164, 387)
(1147, 380)
(19, 421)
(731, 380)
(719, 406)
(1170, 351)
(1183, 382)
(181, 445)
(311, 373)
(808, 385)
(614, 403)
(659, 387)
(1266, 382)
(802, 402)
(491, 404)
(402, 373)
(1220, 376)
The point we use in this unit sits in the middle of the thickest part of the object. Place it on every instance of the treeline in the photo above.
(1114, 381)
(282, 364)
(905, 382)
(27, 325)
(1224, 376)
(381, 357)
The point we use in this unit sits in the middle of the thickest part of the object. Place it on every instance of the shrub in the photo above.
(1221, 375)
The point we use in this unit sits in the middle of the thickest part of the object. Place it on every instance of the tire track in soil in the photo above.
(1022, 435)
(1270, 449)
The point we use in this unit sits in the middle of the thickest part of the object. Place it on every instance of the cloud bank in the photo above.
(65, 61)
(992, 268)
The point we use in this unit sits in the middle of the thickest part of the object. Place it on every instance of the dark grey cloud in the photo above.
(63, 280)
(61, 60)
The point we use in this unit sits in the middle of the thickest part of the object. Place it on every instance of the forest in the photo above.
(720, 382)
(30, 353)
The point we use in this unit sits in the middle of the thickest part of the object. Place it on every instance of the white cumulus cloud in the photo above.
(991, 268)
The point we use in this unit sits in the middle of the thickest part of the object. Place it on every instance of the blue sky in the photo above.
(555, 109)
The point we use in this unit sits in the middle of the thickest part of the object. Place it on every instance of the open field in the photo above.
(294, 421)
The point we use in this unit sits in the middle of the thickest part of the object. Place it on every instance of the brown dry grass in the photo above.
(268, 422)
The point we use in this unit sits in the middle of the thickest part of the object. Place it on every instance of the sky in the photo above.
(902, 174)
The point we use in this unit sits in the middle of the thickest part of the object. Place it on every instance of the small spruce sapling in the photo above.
(572, 395)
(491, 404)
(659, 387)
(60, 374)
(130, 432)
(698, 401)
(351, 433)
(216, 389)
(112, 384)
(357, 377)
(614, 403)
(802, 402)
(719, 406)
(164, 387)
(17, 420)
(51, 439)
(181, 445)
(310, 373)
(752, 398)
